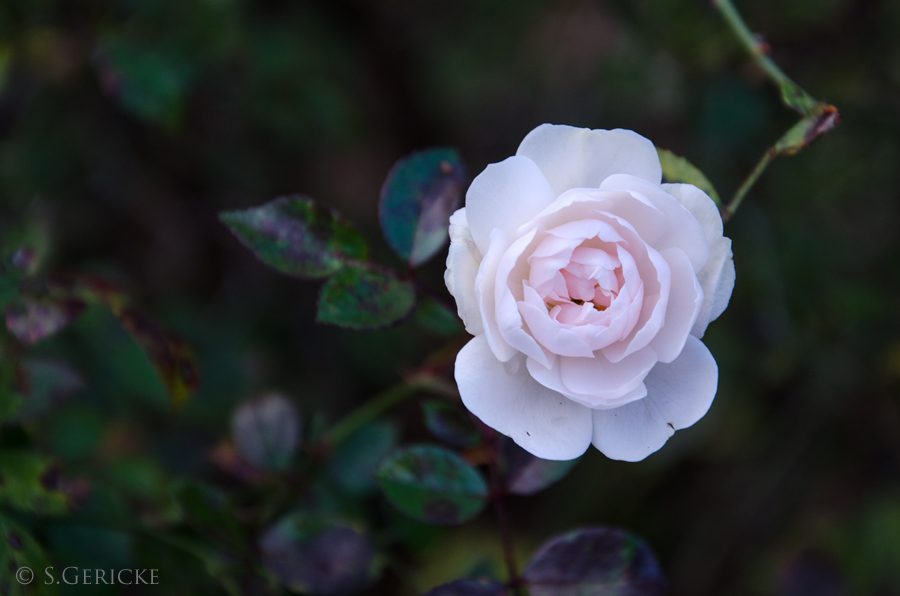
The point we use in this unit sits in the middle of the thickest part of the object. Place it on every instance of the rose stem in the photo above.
(821, 116)
(497, 493)
(383, 402)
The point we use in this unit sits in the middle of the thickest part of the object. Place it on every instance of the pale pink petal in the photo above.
(552, 379)
(504, 196)
(505, 397)
(509, 321)
(682, 228)
(551, 334)
(598, 376)
(685, 300)
(717, 276)
(573, 157)
(463, 260)
(485, 292)
(678, 395)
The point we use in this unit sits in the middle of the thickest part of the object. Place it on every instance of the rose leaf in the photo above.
(362, 296)
(594, 560)
(450, 424)
(297, 236)
(32, 320)
(317, 557)
(679, 170)
(422, 190)
(354, 463)
(432, 485)
(526, 474)
(266, 432)
(30, 483)
(434, 317)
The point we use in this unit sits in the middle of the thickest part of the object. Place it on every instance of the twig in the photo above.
(497, 493)
(818, 116)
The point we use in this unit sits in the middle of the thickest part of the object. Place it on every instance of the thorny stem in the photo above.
(820, 116)
(497, 494)
(735, 202)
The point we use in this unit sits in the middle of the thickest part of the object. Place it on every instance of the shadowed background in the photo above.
(126, 126)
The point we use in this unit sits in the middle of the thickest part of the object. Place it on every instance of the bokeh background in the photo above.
(127, 125)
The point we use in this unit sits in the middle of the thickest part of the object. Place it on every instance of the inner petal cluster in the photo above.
(582, 280)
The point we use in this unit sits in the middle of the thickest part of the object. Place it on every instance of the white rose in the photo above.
(587, 285)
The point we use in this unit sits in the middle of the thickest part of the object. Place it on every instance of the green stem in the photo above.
(735, 202)
(383, 402)
(792, 94)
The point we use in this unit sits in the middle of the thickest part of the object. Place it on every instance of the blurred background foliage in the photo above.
(127, 125)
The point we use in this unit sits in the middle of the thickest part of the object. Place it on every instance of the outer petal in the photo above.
(504, 196)
(506, 398)
(682, 230)
(685, 300)
(573, 157)
(678, 395)
(463, 260)
(717, 281)
(717, 276)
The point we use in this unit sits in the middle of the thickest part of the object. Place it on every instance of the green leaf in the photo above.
(23, 562)
(594, 562)
(364, 297)
(207, 511)
(436, 318)
(526, 474)
(29, 483)
(354, 463)
(679, 170)
(470, 587)
(297, 236)
(807, 130)
(266, 432)
(32, 320)
(318, 558)
(450, 424)
(421, 192)
(172, 358)
(432, 485)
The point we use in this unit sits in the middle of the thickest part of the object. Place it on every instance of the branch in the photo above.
(818, 117)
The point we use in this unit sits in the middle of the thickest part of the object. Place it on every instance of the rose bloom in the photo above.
(587, 285)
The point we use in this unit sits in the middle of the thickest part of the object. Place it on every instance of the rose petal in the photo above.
(573, 157)
(601, 378)
(682, 228)
(552, 379)
(463, 259)
(678, 395)
(717, 276)
(485, 291)
(506, 398)
(685, 300)
(701, 207)
(504, 196)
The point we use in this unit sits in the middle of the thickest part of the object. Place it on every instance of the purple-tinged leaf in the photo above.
(450, 424)
(32, 320)
(526, 474)
(266, 432)
(422, 190)
(594, 562)
(364, 297)
(470, 587)
(318, 558)
(297, 236)
(432, 485)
